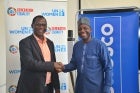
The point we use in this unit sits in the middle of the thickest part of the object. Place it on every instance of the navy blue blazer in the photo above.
(34, 68)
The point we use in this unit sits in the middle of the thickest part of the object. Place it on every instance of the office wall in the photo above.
(2, 49)
(92, 4)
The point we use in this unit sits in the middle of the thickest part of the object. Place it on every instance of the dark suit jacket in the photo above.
(34, 68)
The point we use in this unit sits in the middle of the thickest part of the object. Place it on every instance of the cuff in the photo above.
(63, 68)
(106, 89)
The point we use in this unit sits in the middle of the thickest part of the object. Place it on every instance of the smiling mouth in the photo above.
(41, 31)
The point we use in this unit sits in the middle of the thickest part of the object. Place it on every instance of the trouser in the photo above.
(48, 88)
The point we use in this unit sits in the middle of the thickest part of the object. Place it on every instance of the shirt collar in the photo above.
(39, 40)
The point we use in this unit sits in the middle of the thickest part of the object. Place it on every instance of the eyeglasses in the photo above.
(38, 24)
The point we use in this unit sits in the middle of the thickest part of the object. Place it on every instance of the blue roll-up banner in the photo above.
(119, 31)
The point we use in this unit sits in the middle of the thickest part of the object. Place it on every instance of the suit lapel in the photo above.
(37, 46)
(50, 48)
(49, 45)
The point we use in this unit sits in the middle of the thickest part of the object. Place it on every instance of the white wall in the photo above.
(2, 48)
(92, 4)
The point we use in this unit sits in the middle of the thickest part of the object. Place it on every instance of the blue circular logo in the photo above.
(11, 11)
(13, 49)
(12, 89)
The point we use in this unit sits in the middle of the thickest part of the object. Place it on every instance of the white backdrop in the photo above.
(19, 18)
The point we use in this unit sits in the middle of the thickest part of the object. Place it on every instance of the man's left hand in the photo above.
(57, 91)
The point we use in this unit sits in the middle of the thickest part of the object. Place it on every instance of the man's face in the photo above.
(39, 27)
(84, 32)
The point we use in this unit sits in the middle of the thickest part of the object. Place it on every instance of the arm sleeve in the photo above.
(72, 65)
(55, 76)
(107, 67)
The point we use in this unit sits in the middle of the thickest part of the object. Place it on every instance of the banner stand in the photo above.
(19, 15)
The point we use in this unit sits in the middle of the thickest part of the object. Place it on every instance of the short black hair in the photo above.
(38, 16)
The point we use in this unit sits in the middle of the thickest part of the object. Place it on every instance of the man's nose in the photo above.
(82, 30)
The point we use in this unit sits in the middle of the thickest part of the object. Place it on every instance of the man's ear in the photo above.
(90, 29)
(32, 25)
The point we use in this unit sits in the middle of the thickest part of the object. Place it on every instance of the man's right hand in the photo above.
(58, 66)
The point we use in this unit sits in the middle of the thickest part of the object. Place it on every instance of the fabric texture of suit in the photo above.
(33, 67)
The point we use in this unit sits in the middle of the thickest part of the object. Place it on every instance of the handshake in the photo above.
(58, 66)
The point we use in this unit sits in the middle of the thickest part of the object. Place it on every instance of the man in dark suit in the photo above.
(38, 61)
